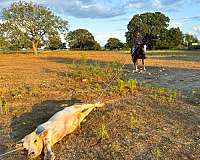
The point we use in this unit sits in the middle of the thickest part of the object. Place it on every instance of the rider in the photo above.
(137, 40)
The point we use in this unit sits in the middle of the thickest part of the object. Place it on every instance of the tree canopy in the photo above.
(155, 32)
(114, 43)
(30, 22)
(82, 39)
(147, 24)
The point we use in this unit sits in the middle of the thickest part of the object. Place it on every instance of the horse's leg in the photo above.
(135, 67)
(143, 64)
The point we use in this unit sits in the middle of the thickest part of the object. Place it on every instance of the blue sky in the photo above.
(109, 18)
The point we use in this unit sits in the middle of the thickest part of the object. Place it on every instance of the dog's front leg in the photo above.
(48, 154)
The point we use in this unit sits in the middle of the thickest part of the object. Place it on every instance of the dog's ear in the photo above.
(19, 144)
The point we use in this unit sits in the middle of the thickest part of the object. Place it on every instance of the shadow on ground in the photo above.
(27, 122)
(75, 60)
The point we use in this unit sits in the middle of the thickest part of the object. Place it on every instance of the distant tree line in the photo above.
(30, 26)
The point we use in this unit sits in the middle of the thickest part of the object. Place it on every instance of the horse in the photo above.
(139, 53)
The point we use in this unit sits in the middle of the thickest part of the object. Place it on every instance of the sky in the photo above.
(109, 18)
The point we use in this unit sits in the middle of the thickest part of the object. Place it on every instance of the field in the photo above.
(149, 115)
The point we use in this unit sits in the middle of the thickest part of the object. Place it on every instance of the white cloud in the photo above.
(175, 24)
(196, 31)
(100, 8)
(197, 28)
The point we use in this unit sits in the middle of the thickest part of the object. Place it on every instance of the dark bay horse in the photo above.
(139, 53)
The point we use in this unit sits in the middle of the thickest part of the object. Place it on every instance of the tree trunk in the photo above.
(34, 45)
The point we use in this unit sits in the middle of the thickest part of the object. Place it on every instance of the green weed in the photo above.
(133, 121)
(121, 85)
(132, 84)
(3, 106)
(163, 95)
(98, 87)
(156, 152)
(25, 90)
(124, 86)
(102, 132)
(115, 147)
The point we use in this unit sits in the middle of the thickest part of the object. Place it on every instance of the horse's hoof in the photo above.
(135, 71)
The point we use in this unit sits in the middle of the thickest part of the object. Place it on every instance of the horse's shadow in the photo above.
(27, 122)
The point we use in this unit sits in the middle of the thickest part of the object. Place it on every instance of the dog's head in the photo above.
(33, 142)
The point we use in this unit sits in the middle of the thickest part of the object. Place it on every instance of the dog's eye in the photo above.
(35, 141)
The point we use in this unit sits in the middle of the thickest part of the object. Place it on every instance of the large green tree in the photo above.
(34, 22)
(81, 39)
(150, 24)
(114, 43)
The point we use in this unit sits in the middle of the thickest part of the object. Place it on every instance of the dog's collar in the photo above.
(39, 130)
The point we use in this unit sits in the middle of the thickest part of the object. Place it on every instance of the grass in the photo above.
(133, 121)
(115, 147)
(3, 107)
(123, 86)
(94, 71)
(156, 152)
(102, 132)
(163, 95)
(24, 91)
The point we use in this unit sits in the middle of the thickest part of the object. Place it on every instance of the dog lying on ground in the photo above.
(59, 125)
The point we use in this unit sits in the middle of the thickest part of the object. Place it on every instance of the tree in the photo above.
(149, 24)
(34, 21)
(54, 41)
(170, 38)
(3, 42)
(96, 46)
(81, 39)
(189, 39)
(114, 43)
(175, 37)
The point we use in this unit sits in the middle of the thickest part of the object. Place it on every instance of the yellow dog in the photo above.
(59, 125)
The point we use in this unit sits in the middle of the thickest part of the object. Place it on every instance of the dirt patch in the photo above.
(180, 79)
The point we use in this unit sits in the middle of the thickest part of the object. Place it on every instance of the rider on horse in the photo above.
(137, 41)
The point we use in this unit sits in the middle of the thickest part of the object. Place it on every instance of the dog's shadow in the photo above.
(27, 122)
